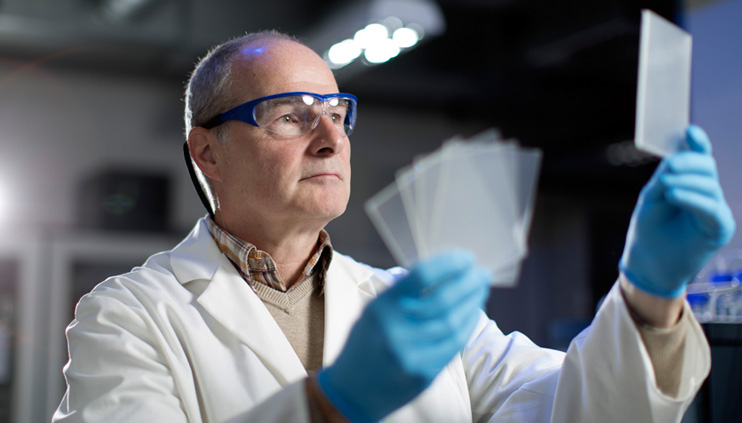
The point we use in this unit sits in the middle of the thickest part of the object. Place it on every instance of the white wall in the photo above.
(58, 127)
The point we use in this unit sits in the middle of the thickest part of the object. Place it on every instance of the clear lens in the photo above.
(298, 115)
(285, 115)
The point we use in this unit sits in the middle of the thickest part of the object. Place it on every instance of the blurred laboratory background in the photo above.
(92, 179)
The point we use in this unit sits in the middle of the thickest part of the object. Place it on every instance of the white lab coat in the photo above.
(183, 338)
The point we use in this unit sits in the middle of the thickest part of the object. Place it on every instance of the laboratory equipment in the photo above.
(715, 296)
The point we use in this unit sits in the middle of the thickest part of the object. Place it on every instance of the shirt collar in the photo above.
(258, 266)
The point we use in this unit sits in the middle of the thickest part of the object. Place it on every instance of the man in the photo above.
(254, 318)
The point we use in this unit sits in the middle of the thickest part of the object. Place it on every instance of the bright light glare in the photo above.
(344, 52)
(307, 99)
(382, 51)
(405, 37)
(370, 35)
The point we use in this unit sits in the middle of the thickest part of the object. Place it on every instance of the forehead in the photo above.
(276, 66)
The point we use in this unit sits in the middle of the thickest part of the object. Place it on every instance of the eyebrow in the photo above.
(287, 100)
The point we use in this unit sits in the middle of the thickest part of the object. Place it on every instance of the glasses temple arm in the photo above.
(194, 180)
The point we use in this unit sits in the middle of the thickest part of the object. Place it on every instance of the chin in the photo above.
(335, 212)
(325, 206)
(332, 213)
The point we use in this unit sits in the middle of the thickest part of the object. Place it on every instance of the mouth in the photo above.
(323, 175)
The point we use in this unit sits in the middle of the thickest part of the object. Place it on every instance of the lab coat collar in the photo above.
(197, 256)
(230, 300)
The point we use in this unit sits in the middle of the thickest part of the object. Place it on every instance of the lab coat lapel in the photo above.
(234, 304)
(348, 287)
(230, 300)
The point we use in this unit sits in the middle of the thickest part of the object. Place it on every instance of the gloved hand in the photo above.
(680, 221)
(406, 336)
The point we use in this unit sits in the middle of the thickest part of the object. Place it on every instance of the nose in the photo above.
(327, 140)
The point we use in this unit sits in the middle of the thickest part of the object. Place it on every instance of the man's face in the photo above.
(266, 179)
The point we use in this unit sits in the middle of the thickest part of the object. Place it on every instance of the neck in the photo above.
(290, 249)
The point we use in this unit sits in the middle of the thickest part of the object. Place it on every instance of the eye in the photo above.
(338, 114)
(289, 118)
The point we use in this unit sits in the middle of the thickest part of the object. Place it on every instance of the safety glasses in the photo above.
(293, 114)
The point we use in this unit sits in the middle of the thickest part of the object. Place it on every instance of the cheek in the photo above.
(347, 165)
(280, 170)
(253, 173)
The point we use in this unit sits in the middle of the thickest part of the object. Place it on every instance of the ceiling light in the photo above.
(405, 37)
(378, 29)
(343, 52)
(381, 51)
(371, 35)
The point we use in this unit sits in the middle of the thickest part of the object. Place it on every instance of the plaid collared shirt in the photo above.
(258, 266)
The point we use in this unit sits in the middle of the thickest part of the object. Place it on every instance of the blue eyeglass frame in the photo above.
(245, 112)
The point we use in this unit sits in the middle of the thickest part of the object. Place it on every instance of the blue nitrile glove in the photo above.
(406, 336)
(680, 221)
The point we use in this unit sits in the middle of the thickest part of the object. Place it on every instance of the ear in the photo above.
(202, 144)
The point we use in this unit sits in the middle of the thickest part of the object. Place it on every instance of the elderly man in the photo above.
(254, 317)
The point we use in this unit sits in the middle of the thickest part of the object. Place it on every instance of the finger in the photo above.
(435, 327)
(697, 139)
(700, 184)
(443, 350)
(691, 162)
(434, 270)
(450, 293)
(449, 324)
(714, 216)
(686, 162)
(692, 201)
